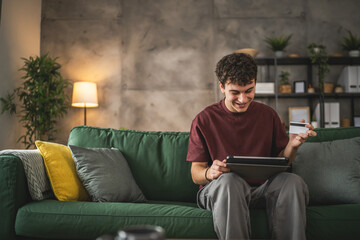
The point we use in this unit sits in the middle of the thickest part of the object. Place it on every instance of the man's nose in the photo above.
(242, 97)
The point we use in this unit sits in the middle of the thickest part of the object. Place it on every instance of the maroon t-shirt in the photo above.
(216, 133)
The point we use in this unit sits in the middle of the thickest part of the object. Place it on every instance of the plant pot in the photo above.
(285, 89)
(328, 87)
(339, 89)
(279, 54)
(354, 53)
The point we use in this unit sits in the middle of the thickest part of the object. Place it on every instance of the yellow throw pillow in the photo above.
(61, 170)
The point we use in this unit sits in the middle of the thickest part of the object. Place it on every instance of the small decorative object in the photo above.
(265, 88)
(293, 55)
(139, 232)
(311, 89)
(285, 86)
(336, 55)
(299, 86)
(278, 45)
(339, 89)
(357, 121)
(351, 44)
(319, 57)
(43, 99)
(345, 122)
(251, 51)
(85, 96)
(328, 87)
(296, 114)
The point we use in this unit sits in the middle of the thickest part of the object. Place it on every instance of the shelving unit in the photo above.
(310, 96)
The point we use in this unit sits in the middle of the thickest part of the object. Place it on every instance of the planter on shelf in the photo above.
(279, 54)
(351, 44)
(278, 45)
(285, 88)
(328, 87)
(354, 53)
(339, 89)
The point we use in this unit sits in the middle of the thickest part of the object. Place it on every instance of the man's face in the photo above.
(238, 98)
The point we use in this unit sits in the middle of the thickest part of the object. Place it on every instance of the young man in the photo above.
(239, 126)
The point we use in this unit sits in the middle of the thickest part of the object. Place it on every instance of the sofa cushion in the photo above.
(61, 171)
(156, 159)
(88, 220)
(106, 175)
(331, 170)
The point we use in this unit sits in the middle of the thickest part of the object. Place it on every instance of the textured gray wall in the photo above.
(154, 61)
(19, 37)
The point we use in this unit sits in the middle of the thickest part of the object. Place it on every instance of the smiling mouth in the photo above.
(241, 105)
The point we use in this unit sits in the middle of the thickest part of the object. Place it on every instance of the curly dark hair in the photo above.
(239, 68)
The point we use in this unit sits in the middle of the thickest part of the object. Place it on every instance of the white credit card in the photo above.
(298, 127)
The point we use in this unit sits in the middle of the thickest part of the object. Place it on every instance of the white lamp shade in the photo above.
(84, 95)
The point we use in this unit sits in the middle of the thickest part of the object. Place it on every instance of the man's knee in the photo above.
(295, 181)
(292, 185)
(231, 182)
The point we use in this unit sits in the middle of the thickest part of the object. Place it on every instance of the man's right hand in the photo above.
(217, 168)
(199, 169)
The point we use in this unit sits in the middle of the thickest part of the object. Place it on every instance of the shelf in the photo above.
(307, 95)
(306, 61)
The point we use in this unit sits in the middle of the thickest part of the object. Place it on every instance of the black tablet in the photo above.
(277, 161)
(257, 167)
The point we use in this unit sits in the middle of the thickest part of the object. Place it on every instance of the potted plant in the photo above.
(285, 86)
(278, 45)
(42, 97)
(319, 57)
(351, 44)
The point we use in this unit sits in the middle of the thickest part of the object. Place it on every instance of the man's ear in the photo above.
(222, 88)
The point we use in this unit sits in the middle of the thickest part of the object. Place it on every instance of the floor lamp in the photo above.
(85, 96)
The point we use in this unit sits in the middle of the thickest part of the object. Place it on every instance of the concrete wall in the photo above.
(154, 61)
(19, 37)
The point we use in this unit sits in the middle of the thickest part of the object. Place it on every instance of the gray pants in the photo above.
(229, 197)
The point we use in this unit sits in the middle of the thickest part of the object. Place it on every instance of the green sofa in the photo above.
(158, 163)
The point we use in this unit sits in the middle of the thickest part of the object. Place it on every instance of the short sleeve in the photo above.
(198, 150)
(281, 139)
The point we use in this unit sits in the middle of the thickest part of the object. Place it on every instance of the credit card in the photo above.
(298, 127)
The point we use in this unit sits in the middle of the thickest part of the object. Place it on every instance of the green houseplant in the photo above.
(278, 45)
(351, 44)
(319, 58)
(42, 97)
(285, 86)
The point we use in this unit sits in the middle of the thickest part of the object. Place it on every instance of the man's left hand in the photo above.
(297, 139)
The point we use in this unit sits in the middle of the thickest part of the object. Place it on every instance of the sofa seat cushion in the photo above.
(88, 220)
(51, 219)
(333, 222)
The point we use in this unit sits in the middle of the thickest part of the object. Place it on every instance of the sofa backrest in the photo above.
(332, 134)
(157, 159)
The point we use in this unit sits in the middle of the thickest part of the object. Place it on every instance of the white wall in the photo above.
(19, 37)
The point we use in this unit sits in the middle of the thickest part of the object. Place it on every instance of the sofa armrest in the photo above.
(14, 193)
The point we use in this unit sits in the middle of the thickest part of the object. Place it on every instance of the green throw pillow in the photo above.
(106, 175)
(331, 170)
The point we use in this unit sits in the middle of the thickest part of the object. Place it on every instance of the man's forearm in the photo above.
(198, 174)
(289, 152)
